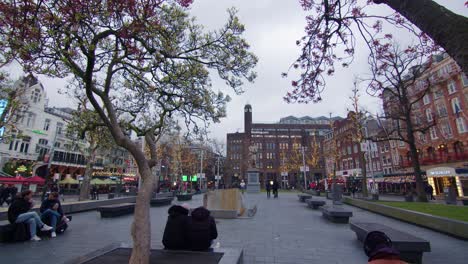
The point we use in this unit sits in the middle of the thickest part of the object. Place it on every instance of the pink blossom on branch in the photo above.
(332, 30)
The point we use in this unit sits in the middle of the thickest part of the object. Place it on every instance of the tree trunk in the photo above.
(141, 226)
(362, 160)
(84, 189)
(415, 160)
(447, 29)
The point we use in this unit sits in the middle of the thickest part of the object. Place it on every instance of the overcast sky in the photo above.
(272, 27)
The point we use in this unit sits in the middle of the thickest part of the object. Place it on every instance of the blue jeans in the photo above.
(54, 217)
(32, 219)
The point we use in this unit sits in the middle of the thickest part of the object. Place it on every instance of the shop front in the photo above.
(444, 178)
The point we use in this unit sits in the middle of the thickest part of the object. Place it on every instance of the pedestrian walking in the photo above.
(268, 186)
(242, 186)
(275, 189)
(4, 194)
(429, 191)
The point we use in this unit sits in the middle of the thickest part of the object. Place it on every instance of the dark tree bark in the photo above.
(447, 29)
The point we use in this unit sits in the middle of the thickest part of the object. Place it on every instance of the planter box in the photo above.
(445, 225)
(120, 254)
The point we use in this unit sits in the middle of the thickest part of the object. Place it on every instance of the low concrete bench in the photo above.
(116, 209)
(161, 201)
(184, 197)
(120, 253)
(314, 204)
(411, 248)
(304, 197)
(336, 214)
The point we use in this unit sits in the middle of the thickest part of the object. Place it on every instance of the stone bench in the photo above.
(161, 201)
(336, 214)
(411, 247)
(314, 204)
(184, 197)
(304, 197)
(120, 253)
(116, 209)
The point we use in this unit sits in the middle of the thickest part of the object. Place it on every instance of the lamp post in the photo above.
(304, 167)
(49, 164)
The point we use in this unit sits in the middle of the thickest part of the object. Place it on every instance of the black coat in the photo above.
(19, 206)
(176, 230)
(202, 229)
(49, 204)
(275, 186)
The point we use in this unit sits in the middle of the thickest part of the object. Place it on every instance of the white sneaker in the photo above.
(66, 219)
(53, 234)
(35, 238)
(46, 228)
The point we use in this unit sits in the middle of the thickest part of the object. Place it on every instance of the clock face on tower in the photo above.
(247, 110)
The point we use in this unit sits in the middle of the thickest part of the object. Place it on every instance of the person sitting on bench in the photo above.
(378, 247)
(51, 209)
(176, 231)
(18, 212)
(202, 229)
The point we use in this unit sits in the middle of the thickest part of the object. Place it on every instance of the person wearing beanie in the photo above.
(378, 247)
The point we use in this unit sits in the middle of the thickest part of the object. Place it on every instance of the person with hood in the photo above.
(176, 231)
(51, 209)
(18, 212)
(378, 247)
(202, 229)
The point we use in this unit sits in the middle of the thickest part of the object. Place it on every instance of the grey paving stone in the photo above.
(282, 231)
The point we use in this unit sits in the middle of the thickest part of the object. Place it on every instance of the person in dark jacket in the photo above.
(202, 229)
(176, 231)
(18, 212)
(4, 194)
(275, 189)
(268, 188)
(51, 209)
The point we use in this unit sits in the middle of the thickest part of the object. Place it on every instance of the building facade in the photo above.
(442, 150)
(278, 150)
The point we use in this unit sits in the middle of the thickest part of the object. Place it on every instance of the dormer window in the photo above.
(36, 95)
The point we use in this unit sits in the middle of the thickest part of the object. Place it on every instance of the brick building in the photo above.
(442, 151)
(279, 149)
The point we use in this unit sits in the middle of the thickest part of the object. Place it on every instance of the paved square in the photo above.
(283, 231)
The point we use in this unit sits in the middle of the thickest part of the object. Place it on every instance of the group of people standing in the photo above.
(189, 231)
(50, 212)
(272, 185)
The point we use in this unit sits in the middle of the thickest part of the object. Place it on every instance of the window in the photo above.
(57, 145)
(438, 94)
(464, 80)
(461, 126)
(446, 129)
(355, 148)
(36, 95)
(456, 106)
(30, 120)
(433, 133)
(43, 141)
(46, 124)
(348, 150)
(429, 115)
(59, 128)
(451, 87)
(422, 137)
(441, 110)
(426, 99)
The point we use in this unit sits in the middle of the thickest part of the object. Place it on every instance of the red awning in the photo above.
(35, 180)
(12, 180)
